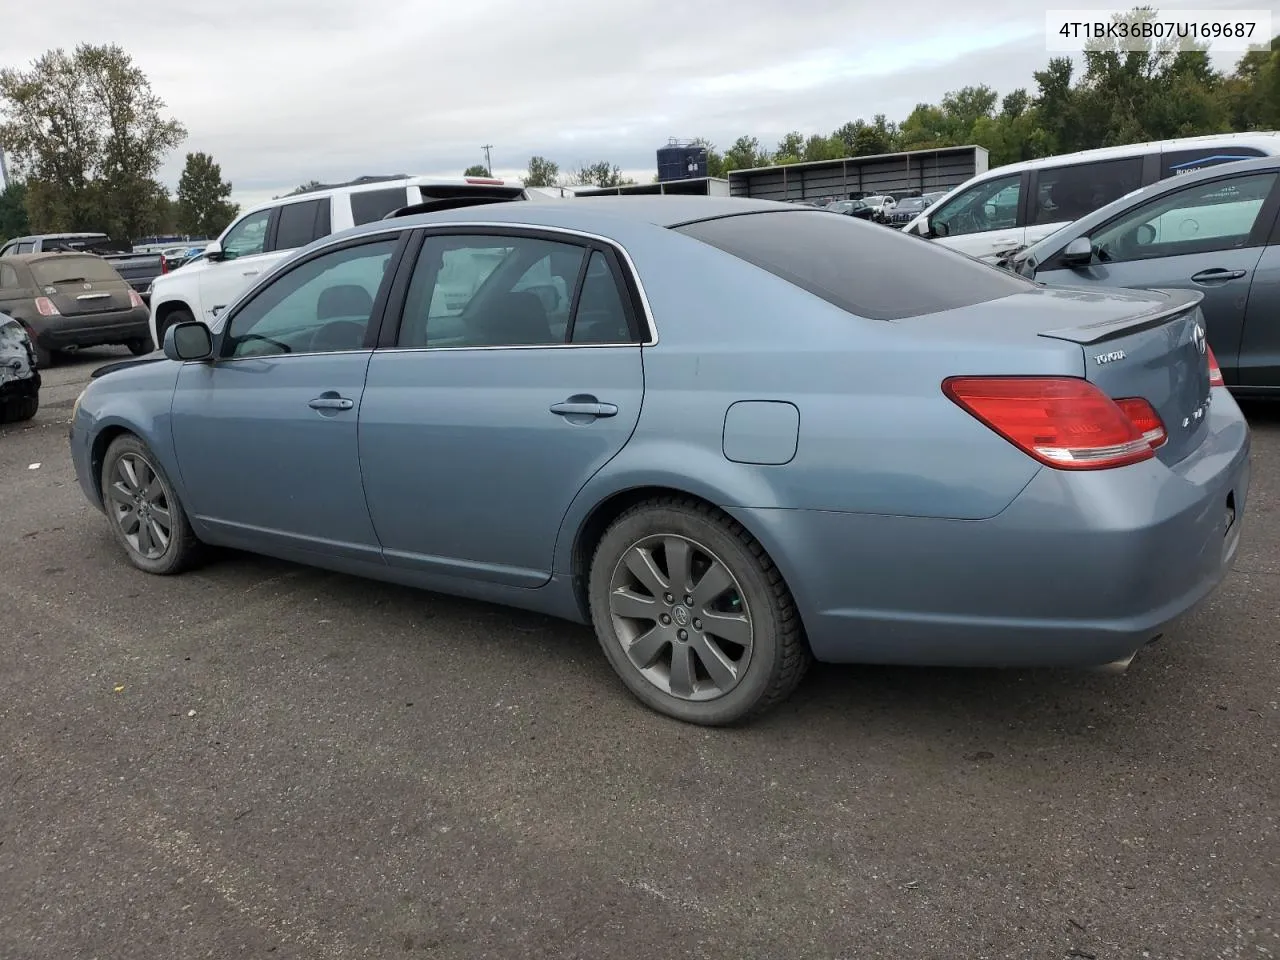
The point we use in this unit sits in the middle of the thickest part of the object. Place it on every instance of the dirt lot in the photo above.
(261, 760)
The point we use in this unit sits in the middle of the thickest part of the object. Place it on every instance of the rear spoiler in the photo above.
(1178, 301)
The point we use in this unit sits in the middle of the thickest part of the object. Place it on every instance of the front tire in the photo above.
(170, 319)
(19, 408)
(143, 511)
(693, 615)
(139, 348)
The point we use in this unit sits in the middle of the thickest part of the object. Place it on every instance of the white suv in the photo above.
(263, 236)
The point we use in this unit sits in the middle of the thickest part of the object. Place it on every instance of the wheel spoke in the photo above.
(640, 562)
(628, 603)
(128, 474)
(161, 516)
(129, 521)
(145, 544)
(714, 582)
(679, 554)
(159, 536)
(645, 648)
(120, 494)
(722, 670)
(681, 670)
(735, 628)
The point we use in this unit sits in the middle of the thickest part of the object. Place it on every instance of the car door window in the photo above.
(1219, 215)
(321, 306)
(1064, 194)
(490, 291)
(601, 316)
(247, 237)
(296, 226)
(990, 205)
(28, 247)
(370, 205)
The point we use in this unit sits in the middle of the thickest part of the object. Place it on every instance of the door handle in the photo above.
(251, 273)
(1216, 273)
(330, 403)
(575, 407)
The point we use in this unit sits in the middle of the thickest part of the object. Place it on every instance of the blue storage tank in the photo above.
(681, 161)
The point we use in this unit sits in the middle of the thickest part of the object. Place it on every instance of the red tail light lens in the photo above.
(135, 300)
(45, 307)
(1063, 422)
(1145, 418)
(1215, 372)
(164, 264)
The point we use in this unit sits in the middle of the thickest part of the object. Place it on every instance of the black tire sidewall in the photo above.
(766, 654)
(181, 539)
(180, 315)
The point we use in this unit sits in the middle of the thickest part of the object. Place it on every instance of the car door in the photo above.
(982, 221)
(496, 399)
(1260, 344)
(1207, 237)
(242, 258)
(266, 435)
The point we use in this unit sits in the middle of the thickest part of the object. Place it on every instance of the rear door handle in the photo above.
(330, 403)
(584, 408)
(251, 273)
(1217, 273)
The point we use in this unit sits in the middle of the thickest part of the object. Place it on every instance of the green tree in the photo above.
(204, 208)
(745, 154)
(715, 160)
(542, 172)
(476, 170)
(790, 148)
(14, 221)
(89, 134)
(600, 174)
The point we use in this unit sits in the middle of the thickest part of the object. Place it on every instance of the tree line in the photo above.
(85, 135)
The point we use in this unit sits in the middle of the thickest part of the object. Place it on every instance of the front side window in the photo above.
(296, 226)
(322, 306)
(491, 291)
(1219, 215)
(247, 237)
(1064, 194)
(990, 205)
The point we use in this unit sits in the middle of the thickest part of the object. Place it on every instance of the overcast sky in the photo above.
(285, 91)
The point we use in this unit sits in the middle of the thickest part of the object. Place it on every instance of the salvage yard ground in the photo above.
(257, 759)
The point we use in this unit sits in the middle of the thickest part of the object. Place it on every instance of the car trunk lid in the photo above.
(81, 284)
(1157, 352)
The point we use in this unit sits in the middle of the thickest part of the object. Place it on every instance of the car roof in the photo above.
(1160, 188)
(376, 183)
(592, 213)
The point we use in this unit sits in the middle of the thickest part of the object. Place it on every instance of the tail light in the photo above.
(486, 180)
(164, 264)
(134, 299)
(1145, 418)
(45, 307)
(1063, 422)
(1215, 371)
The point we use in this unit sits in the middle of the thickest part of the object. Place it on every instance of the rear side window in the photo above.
(28, 247)
(1177, 163)
(297, 224)
(860, 267)
(1064, 194)
(370, 205)
(72, 268)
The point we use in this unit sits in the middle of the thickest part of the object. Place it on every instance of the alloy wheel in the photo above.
(140, 506)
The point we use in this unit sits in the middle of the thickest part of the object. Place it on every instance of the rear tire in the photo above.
(733, 652)
(143, 510)
(19, 408)
(169, 319)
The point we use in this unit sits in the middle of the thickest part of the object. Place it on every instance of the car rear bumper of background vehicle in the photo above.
(1082, 569)
(61, 333)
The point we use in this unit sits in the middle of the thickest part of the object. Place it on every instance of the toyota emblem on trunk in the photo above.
(1198, 338)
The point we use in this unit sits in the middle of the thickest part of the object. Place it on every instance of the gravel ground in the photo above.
(258, 759)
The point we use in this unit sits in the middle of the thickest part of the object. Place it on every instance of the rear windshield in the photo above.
(72, 268)
(866, 269)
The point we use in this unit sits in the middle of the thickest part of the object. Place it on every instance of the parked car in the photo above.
(19, 378)
(264, 235)
(1013, 206)
(67, 301)
(1216, 231)
(753, 434)
(907, 210)
(136, 269)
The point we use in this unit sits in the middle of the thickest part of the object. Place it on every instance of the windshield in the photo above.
(72, 268)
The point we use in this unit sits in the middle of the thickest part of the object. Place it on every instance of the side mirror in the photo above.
(188, 341)
(213, 251)
(1078, 253)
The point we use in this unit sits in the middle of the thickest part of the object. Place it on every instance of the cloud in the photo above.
(285, 91)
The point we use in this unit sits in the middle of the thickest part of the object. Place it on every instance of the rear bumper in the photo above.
(116, 327)
(1081, 569)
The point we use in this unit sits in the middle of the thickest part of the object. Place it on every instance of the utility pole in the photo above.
(487, 165)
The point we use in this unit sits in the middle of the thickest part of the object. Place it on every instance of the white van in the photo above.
(1014, 206)
(264, 235)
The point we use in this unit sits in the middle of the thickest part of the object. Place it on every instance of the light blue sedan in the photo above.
(732, 435)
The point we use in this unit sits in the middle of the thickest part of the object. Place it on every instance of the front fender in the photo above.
(672, 464)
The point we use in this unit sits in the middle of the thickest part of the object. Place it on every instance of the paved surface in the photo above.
(261, 760)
